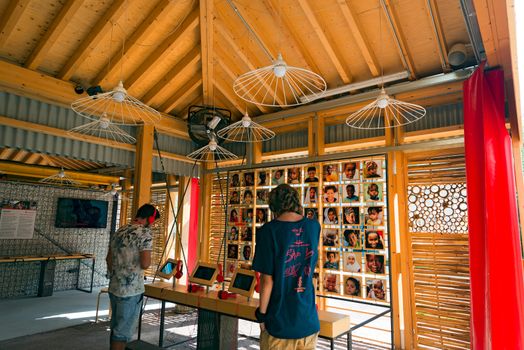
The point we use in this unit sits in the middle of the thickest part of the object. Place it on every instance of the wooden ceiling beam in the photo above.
(182, 94)
(288, 30)
(37, 85)
(99, 30)
(438, 33)
(393, 21)
(189, 24)
(19, 155)
(32, 159)
(48, 159)
(228, 37)
(5, 152)
(141, 33)
(206, 48)
(344, 73)
(45, 44)
(188, 62)
(226, 90)
(183, 112)
(9, 153)
(356, 30)
(10, 19)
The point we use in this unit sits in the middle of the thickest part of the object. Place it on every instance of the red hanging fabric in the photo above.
(497, 286)
(192, 242)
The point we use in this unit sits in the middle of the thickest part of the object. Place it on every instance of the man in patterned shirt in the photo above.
(128, 256)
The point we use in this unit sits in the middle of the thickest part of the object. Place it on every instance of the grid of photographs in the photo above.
(348, 198)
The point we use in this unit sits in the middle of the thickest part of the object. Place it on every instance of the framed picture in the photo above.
(278, 177)
(351, 238)
(246, 252)
(374, 216)
(310, 174)
(330, 194)
(375, 263)
(262, 178)
(331, 216)
(353, 286)
(247, 197)
(234, 197)
(311, 213)
(247, 234)
(167, 270)
(350, 171)
(376, 289)
(247, 216)
(249, 179)
(350, 193)
(332, 260)
(235, 180)
(261, 216)
(243, 282)
(374, 240)
(230, 268)
(293, 176)
(372, 192)
(235, 215)
(204, 273)
(330, 172)
(262, 197)
(331, 283)
(350, 215)
(232, 251)
(372, 169)
(232, 235)
(351, 262)
(330, 237)
(311, 195)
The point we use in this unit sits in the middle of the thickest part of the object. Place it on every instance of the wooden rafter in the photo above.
(53, 32)
(335, 58)
(288, 30)
(226, 90)
(164, 49)
(182, 94)
(141, 33)
(226, 35)
(5, 152)
(407, 60)
(206, 48)
(185, 64)
(10, 19)
(432, 10)
(47, 159)
(99, 30)
(356, 30)
(32, 159)
(19, 155)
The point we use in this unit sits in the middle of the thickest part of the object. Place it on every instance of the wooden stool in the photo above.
(103, 290)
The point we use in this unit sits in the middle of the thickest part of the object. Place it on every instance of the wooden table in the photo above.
(332, 325)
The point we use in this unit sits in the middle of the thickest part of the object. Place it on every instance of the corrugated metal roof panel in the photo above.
(438, 117)
(342, 132)
(288, 140)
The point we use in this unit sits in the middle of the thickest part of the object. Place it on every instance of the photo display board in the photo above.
(347, 197)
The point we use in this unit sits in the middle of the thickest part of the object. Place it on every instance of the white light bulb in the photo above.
(104, 123)
(119, 96)
(212, 145)
(279, 67)
(113, 191)
(382, 102)
(246, 121)
(61, 174)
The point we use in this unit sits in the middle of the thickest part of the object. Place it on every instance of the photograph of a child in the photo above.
(232, 251)
(311, 213)
(247, 198)
(263, 179)
(233, 233)
(278, 177)
(350, 171)
(235, 180)
(351, 193)
(371, 170)
(375, 289)
(330, 216)
(352, 239)
(234, 198)
(249, 179)
(375, 263)
(311, 195)
(374, 216)
(261, 216)
(330, 172)
(330, 194)
(247, 234)
(262, 196)
(352, 286)
(293, 176)
(331, 283)
(230, 268)
(351, 215)
(374, 240)
(373, 192)
(311, 174)
(247, 216)
(331, 260)
(352, 262)
(234, 215)
(246, 252)
(330, 237)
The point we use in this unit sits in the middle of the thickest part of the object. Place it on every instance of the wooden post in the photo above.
(143, 167)
(206, 186)
(311, 137)
(170, 241)
(124, 203)
(319, 127)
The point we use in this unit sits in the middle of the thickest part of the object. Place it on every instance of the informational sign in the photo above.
(17, 219)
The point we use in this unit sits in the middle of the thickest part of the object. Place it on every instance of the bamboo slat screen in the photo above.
(217, 217)
(158, 199)
(440, 252)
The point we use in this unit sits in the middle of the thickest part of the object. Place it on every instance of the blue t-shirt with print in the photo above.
(288, 251)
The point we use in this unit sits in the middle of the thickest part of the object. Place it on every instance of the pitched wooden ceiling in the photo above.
(173, 54)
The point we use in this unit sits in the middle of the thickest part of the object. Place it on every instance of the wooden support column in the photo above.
(256, 153)
(124, 203)
(311, 135)
(143, 167)
(206, 187)
(170, 212)
(400, 259)
(319, 129)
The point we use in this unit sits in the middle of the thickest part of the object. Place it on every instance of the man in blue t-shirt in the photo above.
(286, 255)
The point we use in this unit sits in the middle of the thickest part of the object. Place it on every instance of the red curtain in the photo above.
(192, 242)
(497, 287)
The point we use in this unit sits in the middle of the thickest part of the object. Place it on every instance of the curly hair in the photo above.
(284, 198)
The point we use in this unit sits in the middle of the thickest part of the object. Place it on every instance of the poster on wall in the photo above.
(17, 219)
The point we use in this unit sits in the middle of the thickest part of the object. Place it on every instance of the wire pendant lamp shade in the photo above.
(117, 106)
(246, 130)
(212, 152)
(279, 85)
(103, 128)
(385, 112)
(59, 178)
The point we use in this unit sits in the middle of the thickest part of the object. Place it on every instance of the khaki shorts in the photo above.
(267, 342)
